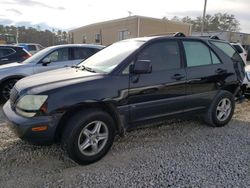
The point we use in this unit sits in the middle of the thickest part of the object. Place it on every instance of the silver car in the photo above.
(47, 59)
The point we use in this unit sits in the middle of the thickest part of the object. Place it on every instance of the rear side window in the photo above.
(238, 48)
(215, 59)
(31, 47)
(40, 47)
(81, 53)
(163, 55)
(94, 50)
(198, 54)
(6, 52)
(228, 49)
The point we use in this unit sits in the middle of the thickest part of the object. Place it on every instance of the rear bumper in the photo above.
(22, 126)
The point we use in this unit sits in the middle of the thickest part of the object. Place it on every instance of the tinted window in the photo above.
(197, 53)
(6, 51)
(163, 55)
(228, 49)
(215, 59)
(31, 47)
(238, 48)
(81, 53)
(94, 50)
(59, 55)
(40, 47)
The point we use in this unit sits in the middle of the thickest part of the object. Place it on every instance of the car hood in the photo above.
(55, 79)
(9, 65)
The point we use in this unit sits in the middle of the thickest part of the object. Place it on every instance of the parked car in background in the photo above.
(11, 53)
(241, 51)
(31, 47)
(47, 59)
(123, 86)
(248, 54)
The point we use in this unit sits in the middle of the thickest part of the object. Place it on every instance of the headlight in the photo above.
(30, 104)
(248, 75)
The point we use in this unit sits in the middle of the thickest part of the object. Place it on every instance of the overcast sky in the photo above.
(68, 14)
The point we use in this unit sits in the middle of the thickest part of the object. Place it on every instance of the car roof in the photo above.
(78, 45)
(145, 39)
(10, 46)
(27, 44)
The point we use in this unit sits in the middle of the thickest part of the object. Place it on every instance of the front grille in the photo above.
(14, 95)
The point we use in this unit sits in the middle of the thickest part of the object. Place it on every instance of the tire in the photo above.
(6, 88)
(82, 130)
(218, 115)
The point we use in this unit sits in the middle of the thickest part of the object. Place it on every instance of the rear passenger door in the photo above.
(161, 92)
(205, 74)
(78, 54)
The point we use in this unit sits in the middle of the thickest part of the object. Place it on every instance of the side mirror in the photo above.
(141, 67)
(46, 61)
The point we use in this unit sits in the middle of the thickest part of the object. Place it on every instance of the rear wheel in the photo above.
(6, 88)
(221, 110)
(88, 136)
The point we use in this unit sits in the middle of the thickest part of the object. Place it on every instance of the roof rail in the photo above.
(179, 34)
(211, 37)
(214, 37)
(173, 34)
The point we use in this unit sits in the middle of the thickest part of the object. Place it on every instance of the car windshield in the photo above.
(107, 59)
(39, 55)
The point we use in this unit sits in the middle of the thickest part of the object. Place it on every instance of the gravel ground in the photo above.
(178, 154)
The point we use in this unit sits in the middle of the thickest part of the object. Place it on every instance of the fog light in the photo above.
(40, 128)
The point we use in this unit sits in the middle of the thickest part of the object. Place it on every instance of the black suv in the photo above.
(10, 54)
(123, 86)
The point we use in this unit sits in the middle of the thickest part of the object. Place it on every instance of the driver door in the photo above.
(58, 58)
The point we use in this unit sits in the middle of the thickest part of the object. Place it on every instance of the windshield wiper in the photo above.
(75, 66)
(82, 67)
(88, 69)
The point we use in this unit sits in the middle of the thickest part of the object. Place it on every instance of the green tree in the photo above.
(36, 35)
(218, 21)
(176, 19)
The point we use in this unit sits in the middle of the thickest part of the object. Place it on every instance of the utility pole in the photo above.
(203, 19)
(17, 35)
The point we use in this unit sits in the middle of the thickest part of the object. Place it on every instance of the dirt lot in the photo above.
(177, 154)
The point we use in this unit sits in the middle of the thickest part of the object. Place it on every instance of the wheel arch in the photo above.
(231, 88)
(11, 77)
(107, 107)
(4, 81)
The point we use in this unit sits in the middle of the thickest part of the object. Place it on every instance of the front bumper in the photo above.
(22, 126)
(247, 85)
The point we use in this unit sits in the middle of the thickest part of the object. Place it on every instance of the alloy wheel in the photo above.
(223, 109)
(93, 138)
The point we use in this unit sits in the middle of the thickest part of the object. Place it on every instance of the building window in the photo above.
(84, 39)
(122, 35)
(98, 38)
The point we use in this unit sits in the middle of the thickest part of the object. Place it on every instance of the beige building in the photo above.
(108, 32)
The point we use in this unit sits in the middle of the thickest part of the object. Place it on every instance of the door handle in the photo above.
(177, 76)
(220, 71)
(4, 59)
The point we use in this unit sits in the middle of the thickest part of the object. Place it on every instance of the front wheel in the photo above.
(88, 136)
(221, 110)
